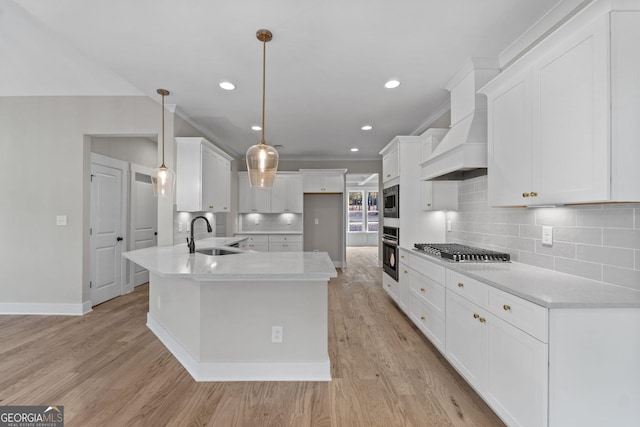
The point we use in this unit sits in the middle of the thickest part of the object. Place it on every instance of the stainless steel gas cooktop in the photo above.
(461, 253)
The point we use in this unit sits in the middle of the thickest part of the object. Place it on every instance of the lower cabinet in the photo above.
(272, 243)
(390, 285)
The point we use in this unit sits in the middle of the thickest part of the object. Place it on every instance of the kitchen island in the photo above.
(248, 316)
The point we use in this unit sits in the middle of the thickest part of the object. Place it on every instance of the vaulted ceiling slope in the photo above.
(326, 65)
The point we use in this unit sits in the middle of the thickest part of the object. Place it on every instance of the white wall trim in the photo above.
(240, 371)
(45, 309)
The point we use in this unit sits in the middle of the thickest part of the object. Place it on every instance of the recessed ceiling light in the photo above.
(392, 84)
(227, 85)
(256, 127)
(354, 149)
(366, 127)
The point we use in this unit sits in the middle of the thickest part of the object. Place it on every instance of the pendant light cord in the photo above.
(264, 83)
(163, 165)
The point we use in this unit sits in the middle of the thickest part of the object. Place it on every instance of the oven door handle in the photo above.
(390, 242)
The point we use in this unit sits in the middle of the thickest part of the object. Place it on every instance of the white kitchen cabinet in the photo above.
(404, 283)
(323, 180)
(287, 194)
(432, 138)
(285, 243)
(391, 286)
(250, 199)
(390, 165)
(439, 195)
(255, 242)
(560, 118)
(203, 176)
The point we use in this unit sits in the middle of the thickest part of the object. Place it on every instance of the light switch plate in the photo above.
(547, 236)
(61, 220)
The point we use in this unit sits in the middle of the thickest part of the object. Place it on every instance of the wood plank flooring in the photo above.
(108, 369)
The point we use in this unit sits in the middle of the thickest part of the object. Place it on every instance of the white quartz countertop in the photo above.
(176, 261)
(544, 287)
(241, 233)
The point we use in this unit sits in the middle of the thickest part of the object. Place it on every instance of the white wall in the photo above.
(138, 150)
(45, 147)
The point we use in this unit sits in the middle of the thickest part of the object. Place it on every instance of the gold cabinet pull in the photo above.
(460, 284)
(421, 289)
(388, 175)
(476, 315)
(210, 206)
(525, 194)
(533, 194)
(421, 317)
(506, 307)
(405, 272)
(402, 256)
(482, 320)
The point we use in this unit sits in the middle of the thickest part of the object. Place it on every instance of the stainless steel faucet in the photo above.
(191, 242)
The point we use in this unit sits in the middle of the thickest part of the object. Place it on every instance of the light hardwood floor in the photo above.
(107, 368)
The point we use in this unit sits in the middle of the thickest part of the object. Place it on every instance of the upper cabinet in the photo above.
(252, 199)
(391, 165)
(323, 180)
(563, 118)
(203, 176)
(284, 196)
(287, 194)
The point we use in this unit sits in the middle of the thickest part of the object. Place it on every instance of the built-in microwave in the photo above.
(392, 202)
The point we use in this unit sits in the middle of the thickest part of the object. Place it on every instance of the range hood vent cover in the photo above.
(462, 154)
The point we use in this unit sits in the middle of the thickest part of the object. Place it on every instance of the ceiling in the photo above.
(326, 65)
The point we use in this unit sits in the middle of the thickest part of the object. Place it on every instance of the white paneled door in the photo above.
(144, 218)
(107, 237)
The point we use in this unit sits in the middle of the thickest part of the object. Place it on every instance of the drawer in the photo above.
(406, 256)
(285, 247)
(471, 289)
(256, 238)
(433, 271)
(391, 286)
(281, 238)
(524, 315)
(430, 324)
(429, 292)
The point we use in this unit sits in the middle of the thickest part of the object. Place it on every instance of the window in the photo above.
(363, 211)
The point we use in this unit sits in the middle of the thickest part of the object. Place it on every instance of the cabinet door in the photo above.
(404, 282)
(209, 182)
(295, 196)
(312, 182)
(333, 182)
(390, 167)
(245, 194)
(261, 199)
(222, 185)
(279, 194)
(466, 339)
(517, 380)
(509, 180)
(571, 115)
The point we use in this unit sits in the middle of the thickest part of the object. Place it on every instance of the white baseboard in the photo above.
(240, 371)
(45, 309)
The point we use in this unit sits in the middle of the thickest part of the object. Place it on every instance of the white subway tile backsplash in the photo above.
(621, 238)
(605, 255)
(622, 276)
(589, 270)
(590, 236)
(618, 218)
(600, 242)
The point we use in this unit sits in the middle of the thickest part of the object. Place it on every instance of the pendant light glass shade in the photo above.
(262, 159)
(164, 179)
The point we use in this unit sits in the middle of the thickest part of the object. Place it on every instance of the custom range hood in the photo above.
(462, 153)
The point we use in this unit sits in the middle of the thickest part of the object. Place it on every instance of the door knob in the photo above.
(118, 239)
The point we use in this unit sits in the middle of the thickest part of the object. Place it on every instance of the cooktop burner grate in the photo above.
(461, 253)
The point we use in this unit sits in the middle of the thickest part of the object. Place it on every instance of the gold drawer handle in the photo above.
(388, 286)
(476, 315)
(506, 307)
(388, 175)
(533, 194)
(482, 320)
(421, 317)
(460, 284)
(210, 206)
(421, 289)
(525, 194)
(401, 256)
(405, 272)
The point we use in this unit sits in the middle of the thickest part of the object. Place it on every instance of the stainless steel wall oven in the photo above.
(390, 240)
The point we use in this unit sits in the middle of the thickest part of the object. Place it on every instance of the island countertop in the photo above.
(176, 261)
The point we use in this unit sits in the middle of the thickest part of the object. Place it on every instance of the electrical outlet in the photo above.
(61, 220)
(316, 221)
(449, 225)
(547, 236)
(277, 334)
(159, 304)
(256, 221)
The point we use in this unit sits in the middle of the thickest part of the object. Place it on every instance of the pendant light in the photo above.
(262, 159)
(164, 179)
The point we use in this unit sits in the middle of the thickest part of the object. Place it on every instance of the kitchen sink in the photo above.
(216, 252)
